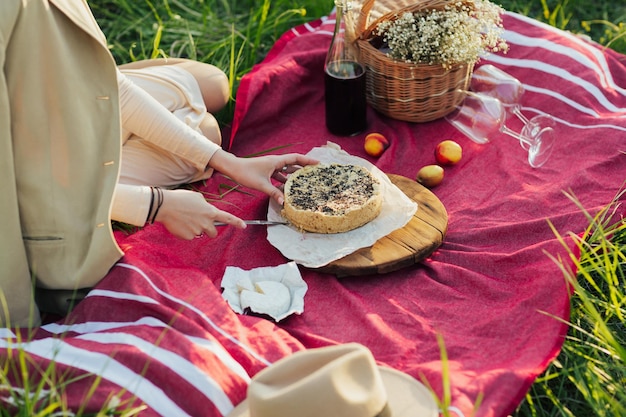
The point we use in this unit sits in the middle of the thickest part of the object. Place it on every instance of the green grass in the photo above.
(232, 35)
(589, 376)
(604, 20)
(236, 35)
(28, 390)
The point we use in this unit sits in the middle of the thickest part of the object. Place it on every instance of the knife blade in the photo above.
(253, 222)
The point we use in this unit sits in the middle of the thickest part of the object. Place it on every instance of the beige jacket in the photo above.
(59, 151)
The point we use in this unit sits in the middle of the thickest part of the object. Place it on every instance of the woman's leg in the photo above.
(213, 84)
(146, 164)
(212, 81)
(211, 129)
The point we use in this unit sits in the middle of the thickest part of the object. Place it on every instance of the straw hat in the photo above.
(335, 381)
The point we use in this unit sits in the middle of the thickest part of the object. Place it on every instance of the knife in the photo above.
(253, 222)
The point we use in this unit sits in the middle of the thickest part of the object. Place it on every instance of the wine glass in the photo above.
(541, 129)
(492, 81)
(481, 116)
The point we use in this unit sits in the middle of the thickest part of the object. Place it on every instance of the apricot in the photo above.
(448, 152)
(375, 144)
(430, 175)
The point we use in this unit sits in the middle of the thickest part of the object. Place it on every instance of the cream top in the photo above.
(142, 115)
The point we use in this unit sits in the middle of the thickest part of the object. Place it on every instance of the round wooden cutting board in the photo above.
(421, 236)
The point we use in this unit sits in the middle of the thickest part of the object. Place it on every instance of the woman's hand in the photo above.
(257, 172)
(186, 214)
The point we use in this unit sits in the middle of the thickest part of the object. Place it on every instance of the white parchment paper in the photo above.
(288, 274)
(315, 250)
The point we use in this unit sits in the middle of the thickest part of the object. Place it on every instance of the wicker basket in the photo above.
(405, 91)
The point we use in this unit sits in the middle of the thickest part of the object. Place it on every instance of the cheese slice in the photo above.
(244, 283)
(269, 297)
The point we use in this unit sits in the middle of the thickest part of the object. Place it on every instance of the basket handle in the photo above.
(363, 31)
(364, 15)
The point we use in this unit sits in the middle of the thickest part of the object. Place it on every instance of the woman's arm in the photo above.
(257, 173)
(184, 213)
(147, 118)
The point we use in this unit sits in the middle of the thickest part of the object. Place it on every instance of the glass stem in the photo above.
(520, 115)
(523, 139)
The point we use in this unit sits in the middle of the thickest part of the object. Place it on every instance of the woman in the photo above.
(170, 138)
(61, 102)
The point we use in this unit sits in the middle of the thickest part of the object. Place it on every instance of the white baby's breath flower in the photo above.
(461, 32)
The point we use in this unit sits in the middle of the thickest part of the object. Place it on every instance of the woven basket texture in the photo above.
(404, 91)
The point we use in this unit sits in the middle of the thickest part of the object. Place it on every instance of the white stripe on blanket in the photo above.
(103, 365)
(193, 308)
(200, 380)
(97, 327)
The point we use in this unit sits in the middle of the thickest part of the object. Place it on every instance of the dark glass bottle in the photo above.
(344, 81)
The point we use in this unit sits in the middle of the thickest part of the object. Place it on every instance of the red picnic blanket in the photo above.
(158, 326)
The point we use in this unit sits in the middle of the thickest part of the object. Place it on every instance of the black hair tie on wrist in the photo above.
(151, 204)
(159, 203)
